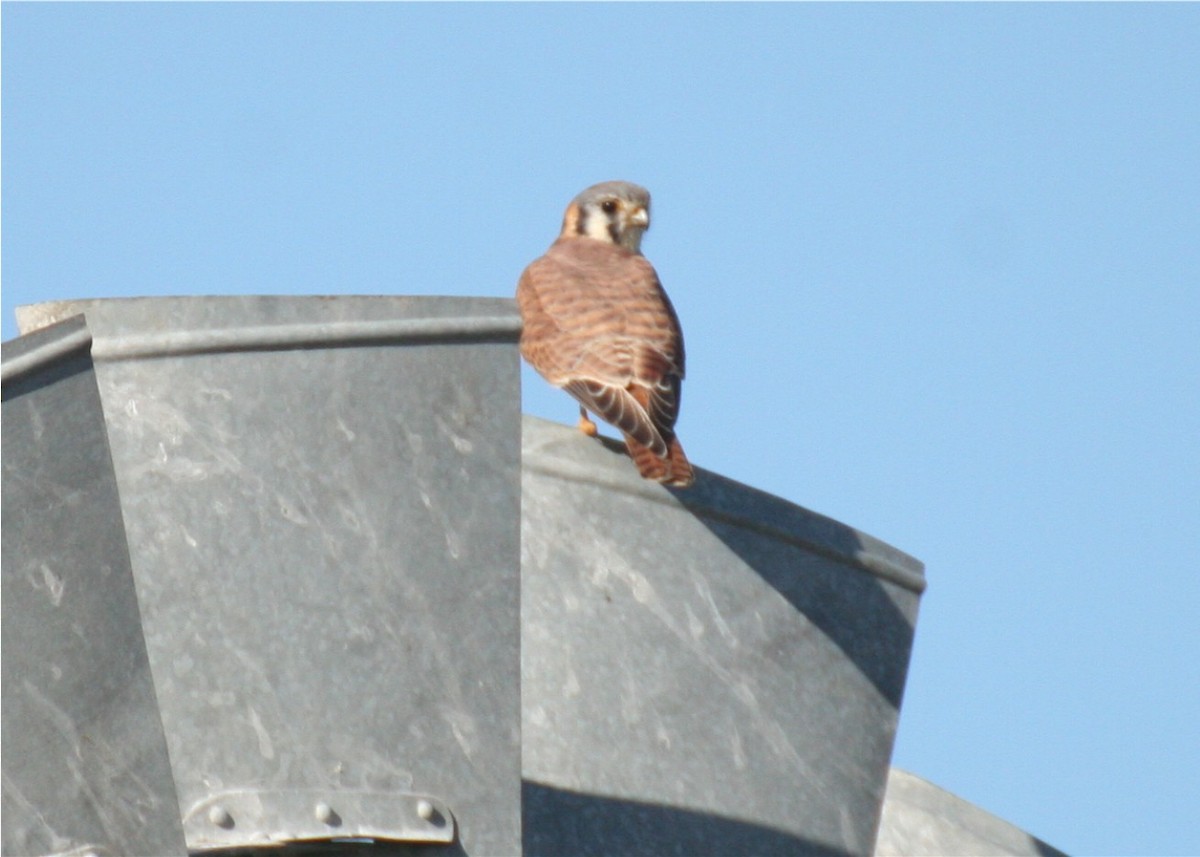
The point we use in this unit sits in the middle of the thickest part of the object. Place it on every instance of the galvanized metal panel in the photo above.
(322, 501)
(84, 757)
(708, 671)
(921, 819)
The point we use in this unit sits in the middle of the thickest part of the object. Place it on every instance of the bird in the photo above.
(597, 323)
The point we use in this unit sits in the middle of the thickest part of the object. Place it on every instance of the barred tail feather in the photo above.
(673, 469)
(681, 469)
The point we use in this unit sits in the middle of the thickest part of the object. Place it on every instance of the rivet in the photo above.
(425, 809)
(220, 816)
(324, 813)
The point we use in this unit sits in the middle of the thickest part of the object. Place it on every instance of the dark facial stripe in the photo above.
(587, 212)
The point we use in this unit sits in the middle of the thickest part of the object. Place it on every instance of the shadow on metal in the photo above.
(866, 614)
(599, 826)
(704, 649)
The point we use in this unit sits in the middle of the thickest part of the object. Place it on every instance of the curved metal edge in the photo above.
(868, 559)
(43, 348)
(300, 336)
(249, 817)
(864, 560)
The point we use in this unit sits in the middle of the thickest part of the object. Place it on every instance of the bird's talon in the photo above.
(588, 427)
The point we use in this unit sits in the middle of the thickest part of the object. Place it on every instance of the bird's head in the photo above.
(614, 212)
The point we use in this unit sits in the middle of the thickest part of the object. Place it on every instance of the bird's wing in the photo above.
(598, 324)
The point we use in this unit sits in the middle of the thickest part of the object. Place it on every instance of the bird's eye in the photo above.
(608, 206)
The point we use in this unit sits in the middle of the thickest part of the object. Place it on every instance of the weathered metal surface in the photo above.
(921, 819)
(84, 757)
(322, 503)
(712, 671)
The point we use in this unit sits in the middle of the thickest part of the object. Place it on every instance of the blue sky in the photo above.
(938, 268)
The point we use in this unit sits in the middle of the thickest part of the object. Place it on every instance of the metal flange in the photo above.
(271, 817)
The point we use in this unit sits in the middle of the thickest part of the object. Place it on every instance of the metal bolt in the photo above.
(425, 809)
(324, 813)
(220, 816)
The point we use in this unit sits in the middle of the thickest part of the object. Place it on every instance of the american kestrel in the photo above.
(599, 325)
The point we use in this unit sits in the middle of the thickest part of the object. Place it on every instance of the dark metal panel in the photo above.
(84, 757)
(322, 501)
(708, 671)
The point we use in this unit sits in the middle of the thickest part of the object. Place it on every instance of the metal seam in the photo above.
(44, 355)
(867, 562)
(300, 336)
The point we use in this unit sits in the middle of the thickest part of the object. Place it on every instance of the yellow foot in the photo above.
(587, 426)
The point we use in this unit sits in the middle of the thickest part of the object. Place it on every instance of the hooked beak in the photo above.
(640, 217)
